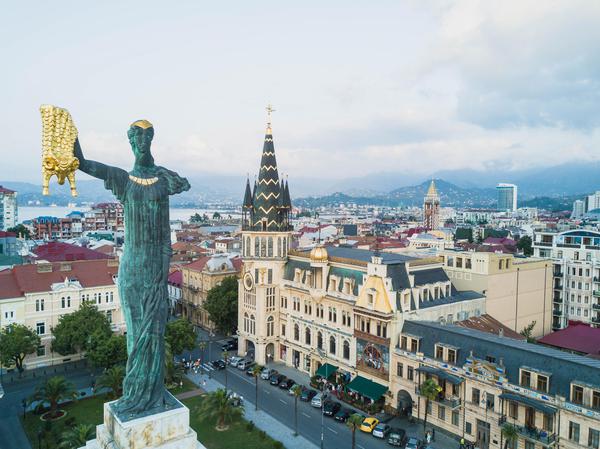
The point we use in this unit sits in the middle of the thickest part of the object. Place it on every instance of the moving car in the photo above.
(397, 437)
(267, 373)
(276, 379)
(250, 369)
(218, 364)
(245, 364)
(369, 424)
(330, 408)
(230, 345)
(286, 384)
(414, 443)
(307, 395)
(234, 360)
(317, 401)
(381, 430)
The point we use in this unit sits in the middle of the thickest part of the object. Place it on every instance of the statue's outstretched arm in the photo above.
(93, 168)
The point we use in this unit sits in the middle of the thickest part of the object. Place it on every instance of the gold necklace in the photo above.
(143, 181)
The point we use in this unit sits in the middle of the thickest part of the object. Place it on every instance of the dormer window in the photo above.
(577, 394)
(371, 299)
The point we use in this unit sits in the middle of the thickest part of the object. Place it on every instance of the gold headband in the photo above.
(144, 124)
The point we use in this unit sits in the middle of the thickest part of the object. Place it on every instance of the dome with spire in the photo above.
(319, 254)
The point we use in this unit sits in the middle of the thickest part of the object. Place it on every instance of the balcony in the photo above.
(596, 319)
(452, 401)
(568, 245)
(549, 244)
(596, 306)
(557, 274)
(596, 293)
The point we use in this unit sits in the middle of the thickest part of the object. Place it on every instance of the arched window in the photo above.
(285, 247)
(256, 246)
(246, 322)
(307, 336)
(332, 345)
(263, 247)
(279, 247)
(270, 326)
(252, 325)
(247, 248)
(296, 332)
(319, 340)
(346, 350)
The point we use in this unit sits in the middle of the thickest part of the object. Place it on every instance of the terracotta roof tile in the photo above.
(60, 251)
(489, 324)
(577, 337)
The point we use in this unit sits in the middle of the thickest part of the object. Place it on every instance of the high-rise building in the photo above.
(592, 201)
(431, 208)
(578, 209)
(8, 208)
(507, 197)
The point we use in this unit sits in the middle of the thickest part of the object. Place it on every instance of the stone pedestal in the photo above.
(166, 430)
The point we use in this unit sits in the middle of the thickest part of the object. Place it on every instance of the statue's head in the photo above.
(140, 136)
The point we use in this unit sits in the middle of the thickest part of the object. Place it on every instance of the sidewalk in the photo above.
(262, 420)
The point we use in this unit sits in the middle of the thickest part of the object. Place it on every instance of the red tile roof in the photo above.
(199, 264)
(22, 279)
(489, 324)
(7, 234)
(5, 190)
(176, 278)
(578, 337)
(60, 251)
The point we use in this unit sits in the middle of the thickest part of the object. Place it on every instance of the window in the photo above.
(489, 401)
(283, 330)
(594, 439)
(595, 399)
(66, 302)
(399, 369)
(513, 409)
(319, 340)
(346, 350)
(439, 352)
(296, 332)
(332, 345)
(529, 445)
(270, 326)
(414, 345)
(452, 356)
(525, 378)
(40, 328)
(428, 409)
(577, 394)
(307, 336)
(475, 396)
(455, 418)
(542, 383)
(39, 305)
(109, 316)
(548, 422)
(573, 431)
(41, 351)
(442, 413)
(403, 342)
(469, 428)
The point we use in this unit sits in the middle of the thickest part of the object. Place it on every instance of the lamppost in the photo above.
(24, 404)
(225, 358)
(324, 396)
(202, 346)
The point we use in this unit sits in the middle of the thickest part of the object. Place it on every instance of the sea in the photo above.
(184, 214)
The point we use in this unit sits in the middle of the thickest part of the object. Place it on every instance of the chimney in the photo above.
(501, 332)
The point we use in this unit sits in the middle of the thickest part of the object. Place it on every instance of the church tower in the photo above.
(266, 233)
(431, 208)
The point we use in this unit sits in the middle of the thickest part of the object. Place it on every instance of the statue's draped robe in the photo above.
(142, 282)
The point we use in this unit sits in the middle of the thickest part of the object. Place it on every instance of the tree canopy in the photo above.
(16, 341)
(222, 305)
(107, 351)
(525, 245)
(21, 230)
(80, 330)
(180, 335)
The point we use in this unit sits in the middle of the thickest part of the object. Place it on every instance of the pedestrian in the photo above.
(204, 382)
(428, 437)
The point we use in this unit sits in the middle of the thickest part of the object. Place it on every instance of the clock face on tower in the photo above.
(248, 281)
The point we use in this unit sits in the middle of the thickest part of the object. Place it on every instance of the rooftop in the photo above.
(60, 251)
(578, 337)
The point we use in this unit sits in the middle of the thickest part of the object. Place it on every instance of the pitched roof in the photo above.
(489, 324)
(5, 190)
(578, 337)
(33, 278)
(176, 278)
(198, 265)
(60, 251)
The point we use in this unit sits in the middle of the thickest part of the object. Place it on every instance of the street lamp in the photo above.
(324, 396)
(225, 357)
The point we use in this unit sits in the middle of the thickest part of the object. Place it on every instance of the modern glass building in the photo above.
(507, 197)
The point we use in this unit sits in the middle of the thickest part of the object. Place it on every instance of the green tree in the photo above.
(525, 245)
(429, 389)
(464, 234)
(77, 436)
(107, 351)
(16, 341)
(173, 371)
(196, 218)
(21, 230)
(180, 335)
(113, 379)
(80, 330)
(256, 370)
(353, 422)
(216, 216)
(54, 390)
(297, 389)
(510, 435)
(217, 406)
(222, 305)
(527, 332)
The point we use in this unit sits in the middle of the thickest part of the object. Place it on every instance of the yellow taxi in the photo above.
(369, 424)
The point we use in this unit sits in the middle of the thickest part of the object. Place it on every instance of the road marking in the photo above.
(359, 446)
(332, 430)
(308, 416)
(281, 400)
(267, 391)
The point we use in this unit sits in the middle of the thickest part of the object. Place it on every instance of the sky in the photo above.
(358, 87)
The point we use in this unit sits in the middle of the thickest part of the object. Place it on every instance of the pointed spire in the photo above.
(286, 193)
(248, 194)
(432, 191)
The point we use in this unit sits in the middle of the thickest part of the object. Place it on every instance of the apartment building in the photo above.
(518, 290)
(575, 256)
(37, 295)
(487, 381)
(9, 213)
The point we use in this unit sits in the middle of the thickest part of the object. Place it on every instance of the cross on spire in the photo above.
(270, 110)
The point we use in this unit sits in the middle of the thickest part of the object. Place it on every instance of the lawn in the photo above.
(188, 385)
(90, 411)
(236, 437)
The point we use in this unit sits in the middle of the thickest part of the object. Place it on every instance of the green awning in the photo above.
(367, 388)
(441, 374)
(326, 370)
(538, 405)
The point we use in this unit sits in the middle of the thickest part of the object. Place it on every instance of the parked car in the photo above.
(234, 360)
(250, 369)
(343, 415)
(293, 387)
(218, 364)
(317, 400)
(245, 364)
(276, 379)
(307, 395)
(397, 437)
(286, 384)
(330, 408)
(267, 373)
(414, 443)
(230, 345)
(369, 424)
(381, 430)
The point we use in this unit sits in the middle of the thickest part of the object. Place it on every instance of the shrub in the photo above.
(277, 445)
(249, 426)
(262, 434)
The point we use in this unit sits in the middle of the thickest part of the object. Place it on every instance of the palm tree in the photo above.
(430, 389)
(256, 372)
(225, 358)
(219, 407)
(353, 422)
(297, 389)
(77, 436)
(113, 379)
(53, 391)
(510, 435)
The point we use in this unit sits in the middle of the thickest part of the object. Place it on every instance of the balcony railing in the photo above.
(542, 243)
(596, 319)
(596, 306)
(530, 433)
(568, 245)
(596, 293)
(557, 274)
(452, 402)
